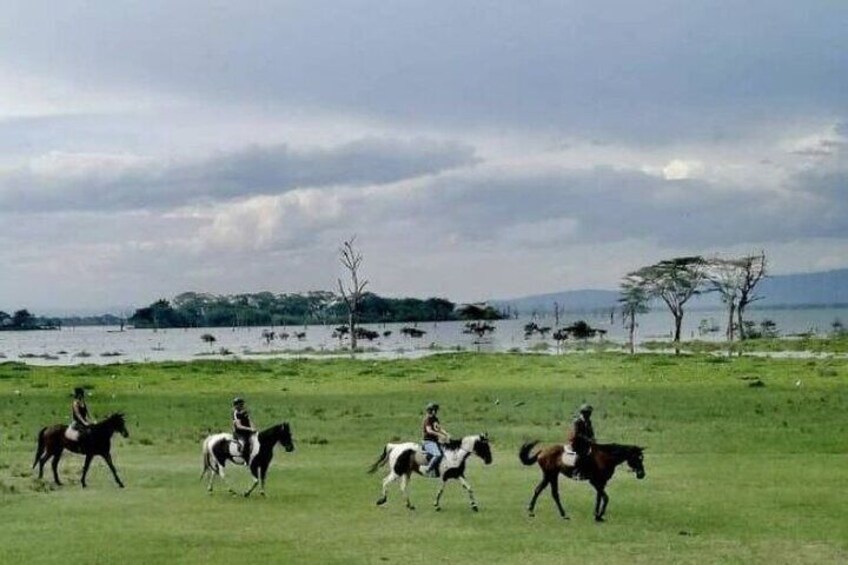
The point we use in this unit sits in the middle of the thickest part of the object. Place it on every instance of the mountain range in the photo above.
(825, 288)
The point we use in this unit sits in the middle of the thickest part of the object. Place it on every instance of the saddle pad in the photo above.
(569, 458)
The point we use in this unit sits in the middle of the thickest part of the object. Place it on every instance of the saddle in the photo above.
(569, 456)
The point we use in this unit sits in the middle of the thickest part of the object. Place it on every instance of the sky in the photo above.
(476, 149)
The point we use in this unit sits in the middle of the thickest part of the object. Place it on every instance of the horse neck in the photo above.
(105, 427)
(269, 436)
(616, 454)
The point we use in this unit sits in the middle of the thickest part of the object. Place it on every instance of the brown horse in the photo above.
(604, 458)
(96, 441)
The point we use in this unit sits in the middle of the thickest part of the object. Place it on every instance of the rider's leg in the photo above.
(432, 449)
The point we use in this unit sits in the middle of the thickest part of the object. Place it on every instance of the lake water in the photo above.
(102, 345)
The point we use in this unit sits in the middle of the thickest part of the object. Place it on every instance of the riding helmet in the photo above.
(238, 400)
(586, 408)
(432, 407)
(79, 392)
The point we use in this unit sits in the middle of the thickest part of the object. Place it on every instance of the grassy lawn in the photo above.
(736, 473)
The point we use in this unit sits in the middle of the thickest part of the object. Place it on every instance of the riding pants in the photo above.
(432, 449)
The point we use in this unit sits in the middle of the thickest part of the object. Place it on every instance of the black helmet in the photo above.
(238, 400)
(79, 392)
(432, 407)
(586, 408)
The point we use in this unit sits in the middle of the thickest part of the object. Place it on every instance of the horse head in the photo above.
(635, 460)
(284, 436)
(116, 423)
(482, 448)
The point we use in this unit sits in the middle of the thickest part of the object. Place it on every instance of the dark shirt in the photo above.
(430, 420)
(243, 418)
(581, 432)
(82, 409)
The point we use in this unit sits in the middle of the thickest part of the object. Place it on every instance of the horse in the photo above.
(220, 448)
(407, 458)
(604, 458)
(96, 441)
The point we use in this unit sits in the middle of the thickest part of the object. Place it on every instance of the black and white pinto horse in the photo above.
(218, 449)
(407, 458)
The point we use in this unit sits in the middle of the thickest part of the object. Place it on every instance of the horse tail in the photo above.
(524, 453)
(40, 449)
(381, 460)
(207, 460)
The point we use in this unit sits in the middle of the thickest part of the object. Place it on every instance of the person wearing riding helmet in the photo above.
(243, 428)
(434, 435)
(80, 418)
(581, 436)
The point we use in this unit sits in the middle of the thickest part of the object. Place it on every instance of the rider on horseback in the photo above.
(80, 420)
(243, 428)
(581, 436)
(434, 434)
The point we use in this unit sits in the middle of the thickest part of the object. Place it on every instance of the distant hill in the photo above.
(807, 289)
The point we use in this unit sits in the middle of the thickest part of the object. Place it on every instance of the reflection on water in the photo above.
(103, 345)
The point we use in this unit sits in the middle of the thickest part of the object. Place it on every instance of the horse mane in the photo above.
(617, 450)
(114, 418)
(453, 444)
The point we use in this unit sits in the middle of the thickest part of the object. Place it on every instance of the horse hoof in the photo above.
(599, 519)
(475, 509)
(438, 508)
(531, 514)
(566, 517)
(411, 507)
(381, 502)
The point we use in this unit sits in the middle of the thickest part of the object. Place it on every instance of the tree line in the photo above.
(675, 281)
(24, 320)
(192, 309)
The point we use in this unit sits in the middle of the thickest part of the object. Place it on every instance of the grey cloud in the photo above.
(653, 72)
(154, 184)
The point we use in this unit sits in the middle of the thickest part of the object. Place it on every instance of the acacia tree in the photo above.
(674, 281)
(351, 259)
(753, 271)
(634, 300)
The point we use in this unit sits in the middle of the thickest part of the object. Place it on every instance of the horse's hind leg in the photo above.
(555, 496)
(386, 482)
(470, 492)
(539, 488)
(108, 458)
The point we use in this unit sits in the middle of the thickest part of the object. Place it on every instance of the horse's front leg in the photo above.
(386, 482)
(86, 463)
(470, 492)
(555, 496)
(602, 499)
(404, 483)
(55, 466)
(255, 474)
(108, 458)
(439, 494)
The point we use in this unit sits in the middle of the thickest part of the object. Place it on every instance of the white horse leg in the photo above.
(470, 492)
(386, 482)
(404, 482)
(439, 495)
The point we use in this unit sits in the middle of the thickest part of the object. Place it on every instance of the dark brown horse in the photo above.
(604, 458)
(96, 441)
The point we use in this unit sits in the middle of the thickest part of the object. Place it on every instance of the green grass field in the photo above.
(736, 473)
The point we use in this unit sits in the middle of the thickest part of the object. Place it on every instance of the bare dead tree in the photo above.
(726, 276)
(634, 300)
(351, 259)
(754, 269)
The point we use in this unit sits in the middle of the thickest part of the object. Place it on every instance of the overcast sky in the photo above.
(476, 149)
